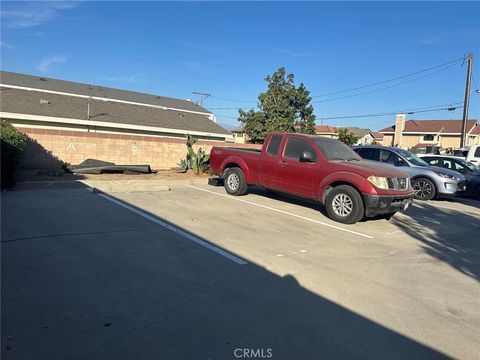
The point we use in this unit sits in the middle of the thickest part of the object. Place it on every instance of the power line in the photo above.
(233, 100)
(202, 95)
(389, 113)
(453, 62)
(385, 87)
(449, 107)
(440, 67)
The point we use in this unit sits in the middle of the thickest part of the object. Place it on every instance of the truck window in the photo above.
(477, 152)
(274, 144)
(295, 147)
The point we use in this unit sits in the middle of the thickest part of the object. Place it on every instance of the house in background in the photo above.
(421, 133)
(240, 136)
(73, 121)
(366, 136)
(378, 138)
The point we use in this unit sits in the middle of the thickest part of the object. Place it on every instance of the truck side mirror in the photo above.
(307, 156)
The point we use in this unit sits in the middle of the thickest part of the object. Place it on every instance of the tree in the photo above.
(283, 107)
(347, 137)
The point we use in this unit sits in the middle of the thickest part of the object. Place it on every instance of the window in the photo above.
(390, 157)
(477, 152)
(447, 164)
(295, 147)
(433, 162)
(274, 144)
(428, 137)
(459, 166)
(369, 153)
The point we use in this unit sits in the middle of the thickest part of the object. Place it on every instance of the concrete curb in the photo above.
(113, 186)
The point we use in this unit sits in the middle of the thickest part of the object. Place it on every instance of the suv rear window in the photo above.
(368, 153)
(274, 144)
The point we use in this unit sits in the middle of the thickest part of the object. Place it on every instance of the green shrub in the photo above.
(197, 162)
(12, 146)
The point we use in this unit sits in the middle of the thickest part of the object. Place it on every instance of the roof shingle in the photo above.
(433, 126)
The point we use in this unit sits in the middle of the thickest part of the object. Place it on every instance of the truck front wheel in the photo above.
(234, 182)
(344, 204)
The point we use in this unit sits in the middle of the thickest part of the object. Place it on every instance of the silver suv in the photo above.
(427, 181)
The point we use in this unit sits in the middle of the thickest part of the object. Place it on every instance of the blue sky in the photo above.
(227, 49)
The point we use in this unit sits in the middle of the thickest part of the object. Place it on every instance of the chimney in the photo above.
(399, 127)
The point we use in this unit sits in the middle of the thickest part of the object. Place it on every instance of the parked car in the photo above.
(473, 154)
(316, 168)
(468, 169)
(428, 182)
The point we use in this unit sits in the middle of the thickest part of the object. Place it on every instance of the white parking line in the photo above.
(282, 212)
(176, 230)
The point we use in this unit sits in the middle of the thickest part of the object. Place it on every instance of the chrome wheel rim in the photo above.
(233, 182)
(422, 189)
(342, 205)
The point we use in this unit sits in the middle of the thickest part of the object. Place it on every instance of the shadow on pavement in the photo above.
(448, 235)
(128, 288)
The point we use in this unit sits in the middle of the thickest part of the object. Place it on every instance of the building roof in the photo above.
(475, 130)
(70, 107)
(433, 126)
(361, 132)
(327, 129)
(48, 84)
(377, 135)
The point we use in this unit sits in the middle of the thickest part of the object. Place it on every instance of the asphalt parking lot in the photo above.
(194, 274)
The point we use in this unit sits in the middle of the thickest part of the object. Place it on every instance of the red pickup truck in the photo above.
(316, 168)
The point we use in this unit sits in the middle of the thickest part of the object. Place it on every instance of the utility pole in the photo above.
(201, 96)
(467, 100)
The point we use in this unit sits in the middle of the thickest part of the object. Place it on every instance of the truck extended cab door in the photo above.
(293, 175)
(269, 159)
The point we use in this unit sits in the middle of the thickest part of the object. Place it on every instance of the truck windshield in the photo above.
(412, 158)
(335, 150)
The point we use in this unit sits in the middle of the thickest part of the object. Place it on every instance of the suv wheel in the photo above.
(424, 189)
(234, 182)
(344, 204)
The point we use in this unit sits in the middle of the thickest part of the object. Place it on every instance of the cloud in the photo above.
(6, 45)
(29, 14)
(45, 64)
(132, 79)
(443, 37)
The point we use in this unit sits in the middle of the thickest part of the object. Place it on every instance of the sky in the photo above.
(227, 49)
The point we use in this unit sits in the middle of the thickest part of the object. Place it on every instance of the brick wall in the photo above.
(48, 148)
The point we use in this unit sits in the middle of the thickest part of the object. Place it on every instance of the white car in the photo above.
(473, 155)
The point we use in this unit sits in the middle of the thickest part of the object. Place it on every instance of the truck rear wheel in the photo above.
(344, 204)
(234, 182)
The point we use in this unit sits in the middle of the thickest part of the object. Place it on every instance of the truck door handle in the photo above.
(283, 163)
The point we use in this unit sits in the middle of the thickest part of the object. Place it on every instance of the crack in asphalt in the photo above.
(67, 234)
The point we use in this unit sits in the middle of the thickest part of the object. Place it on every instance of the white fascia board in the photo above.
(104, 99)
(52, 119)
